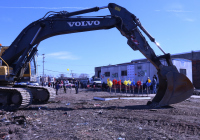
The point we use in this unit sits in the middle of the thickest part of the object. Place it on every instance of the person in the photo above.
(147, 82)
(76, 86)
(104, 86)
(57, 87)
(64, 85)
(53, 84)
(154, 85)
(49, 84)
(147, 79)
(155, 77)
(148, 85)
(61, 83)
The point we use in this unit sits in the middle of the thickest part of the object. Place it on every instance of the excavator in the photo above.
(174, 87)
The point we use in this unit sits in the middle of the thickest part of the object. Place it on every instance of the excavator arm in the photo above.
(174, 87)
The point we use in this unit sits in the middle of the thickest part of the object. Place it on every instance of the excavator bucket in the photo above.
(174, 89)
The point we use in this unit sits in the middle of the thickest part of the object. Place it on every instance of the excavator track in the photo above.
(15, 98)
(42, 94)
(52, 93)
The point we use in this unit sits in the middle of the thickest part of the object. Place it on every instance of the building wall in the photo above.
(115, 73)
(194, 56)
(97, 70)
(184, 64)
(196, 73)
(141, 71)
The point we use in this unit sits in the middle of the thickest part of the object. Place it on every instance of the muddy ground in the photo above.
(78, 117)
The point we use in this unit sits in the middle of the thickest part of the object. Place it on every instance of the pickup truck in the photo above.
(96, 81)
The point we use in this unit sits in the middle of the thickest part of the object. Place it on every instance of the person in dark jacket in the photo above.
(76, 86)
(155, 77)
(64, 85)
(154, 83)
(57, 87)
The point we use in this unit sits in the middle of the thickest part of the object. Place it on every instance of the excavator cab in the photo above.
(6, 71)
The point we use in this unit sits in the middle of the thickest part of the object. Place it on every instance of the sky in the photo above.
(175, 24)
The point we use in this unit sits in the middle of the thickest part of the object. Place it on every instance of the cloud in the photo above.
(62, 55)
(43, 7)
(190, 19)
(5, 19)
(178, 11)
(177, 8)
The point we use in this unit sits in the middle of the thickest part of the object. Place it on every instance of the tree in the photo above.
(62, 76)
(84, 75)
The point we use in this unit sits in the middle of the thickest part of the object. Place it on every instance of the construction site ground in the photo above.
(79, 117)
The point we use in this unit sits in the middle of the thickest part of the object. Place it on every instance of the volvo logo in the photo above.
(83, 23)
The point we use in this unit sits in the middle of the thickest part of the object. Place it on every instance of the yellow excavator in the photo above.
(174, 87)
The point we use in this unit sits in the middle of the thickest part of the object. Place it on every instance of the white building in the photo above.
(139, 70)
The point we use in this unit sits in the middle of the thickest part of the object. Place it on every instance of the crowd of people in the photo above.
(59, 84)
(150, 85)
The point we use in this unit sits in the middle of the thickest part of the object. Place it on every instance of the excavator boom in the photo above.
(174, 87)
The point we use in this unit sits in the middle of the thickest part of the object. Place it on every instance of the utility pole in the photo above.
(37, 77)
(72, 73)
(43, 68)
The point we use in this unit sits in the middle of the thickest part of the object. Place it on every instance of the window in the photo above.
(97, 79)
(139, 67)
(124, 73)
(183, 71)
(115, 75)
(107, 74)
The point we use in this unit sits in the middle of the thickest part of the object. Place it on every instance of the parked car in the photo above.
(20, 83)
(33, 84)
(95, 81)
(83, 83)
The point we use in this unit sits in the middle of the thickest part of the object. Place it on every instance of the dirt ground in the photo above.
(78, 117)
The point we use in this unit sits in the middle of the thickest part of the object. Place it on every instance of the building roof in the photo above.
(187, 56)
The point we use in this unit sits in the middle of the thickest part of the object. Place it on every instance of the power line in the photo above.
(54, 71)
(68, 64)
(59, 71)
(66, 72)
